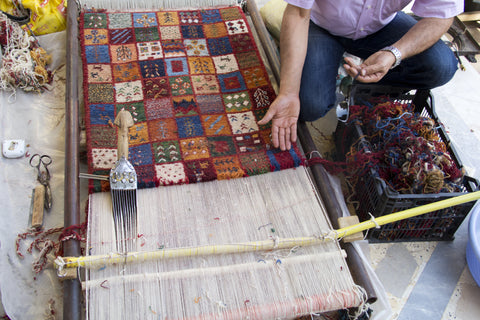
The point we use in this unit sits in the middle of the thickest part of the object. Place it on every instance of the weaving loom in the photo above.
(236, 283)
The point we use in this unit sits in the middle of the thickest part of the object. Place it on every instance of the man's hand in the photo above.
(285, 109)
(371, 70)
(283, 113)
(419, 38)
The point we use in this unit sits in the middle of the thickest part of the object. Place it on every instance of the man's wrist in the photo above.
(396, 53)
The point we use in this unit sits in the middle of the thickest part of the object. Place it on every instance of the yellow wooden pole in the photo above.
(168, 253)
(408, 213)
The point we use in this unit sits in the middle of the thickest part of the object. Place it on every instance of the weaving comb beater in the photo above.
(123, 188)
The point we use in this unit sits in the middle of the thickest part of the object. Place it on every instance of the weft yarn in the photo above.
(47, 241)
(414, 159)
(23, 61)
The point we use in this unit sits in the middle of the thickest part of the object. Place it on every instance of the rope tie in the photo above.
(372, 218)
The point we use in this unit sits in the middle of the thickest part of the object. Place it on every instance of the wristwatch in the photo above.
(396, 53)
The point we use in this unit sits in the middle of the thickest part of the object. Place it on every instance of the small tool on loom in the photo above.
(93, 176)
(343, 107)
(123, 186)
(279, 243)
(42, 194)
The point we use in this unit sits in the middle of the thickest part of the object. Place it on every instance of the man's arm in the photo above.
(284, 110)
(419, 38)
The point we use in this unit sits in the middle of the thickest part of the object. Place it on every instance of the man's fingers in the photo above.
(293, 133)
(281, 138)
(373, 74)
(288, 141)
(284, 137)
(355, 71)
(349, 61)
(266, 118)
(373, 69)
(275, 136)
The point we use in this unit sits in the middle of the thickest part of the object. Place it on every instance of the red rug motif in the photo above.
(196, 87)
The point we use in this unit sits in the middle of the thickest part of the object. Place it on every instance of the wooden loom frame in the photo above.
(72, 215)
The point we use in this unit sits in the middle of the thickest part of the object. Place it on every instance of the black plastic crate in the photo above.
(376, 198)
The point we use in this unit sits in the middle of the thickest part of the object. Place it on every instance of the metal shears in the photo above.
(344, 96)
(41, 162)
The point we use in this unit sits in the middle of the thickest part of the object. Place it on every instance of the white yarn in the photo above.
(17, 63)
(17, 69)
(255, 285)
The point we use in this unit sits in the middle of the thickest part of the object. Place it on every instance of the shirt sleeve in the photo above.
(437, 8)
(304, 4)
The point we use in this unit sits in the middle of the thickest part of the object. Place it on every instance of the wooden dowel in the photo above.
(38, 206)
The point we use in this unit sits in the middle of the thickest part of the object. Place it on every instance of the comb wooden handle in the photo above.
(123, 121)
(38, 205)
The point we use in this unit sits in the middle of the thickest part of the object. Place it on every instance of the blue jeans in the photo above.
(429, 69)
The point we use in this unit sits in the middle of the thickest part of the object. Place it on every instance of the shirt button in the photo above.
(362, 29)
(369, 6)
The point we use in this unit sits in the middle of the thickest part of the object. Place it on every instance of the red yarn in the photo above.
(361, 163)
(44, 244)
(415, 159)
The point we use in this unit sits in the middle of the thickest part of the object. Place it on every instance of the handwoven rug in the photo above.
(196, 86)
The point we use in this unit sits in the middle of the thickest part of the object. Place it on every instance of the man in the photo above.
(395, 48)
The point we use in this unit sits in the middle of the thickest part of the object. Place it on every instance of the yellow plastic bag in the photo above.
(47, 16)
(272, 14)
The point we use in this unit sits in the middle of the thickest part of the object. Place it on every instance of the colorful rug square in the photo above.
(196, 87)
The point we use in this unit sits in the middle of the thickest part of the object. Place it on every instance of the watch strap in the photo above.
(396, 53)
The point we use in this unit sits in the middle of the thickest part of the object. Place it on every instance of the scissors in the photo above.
(343, 107)
(41, 162)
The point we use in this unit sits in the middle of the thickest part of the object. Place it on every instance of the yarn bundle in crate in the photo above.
(398, 157)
